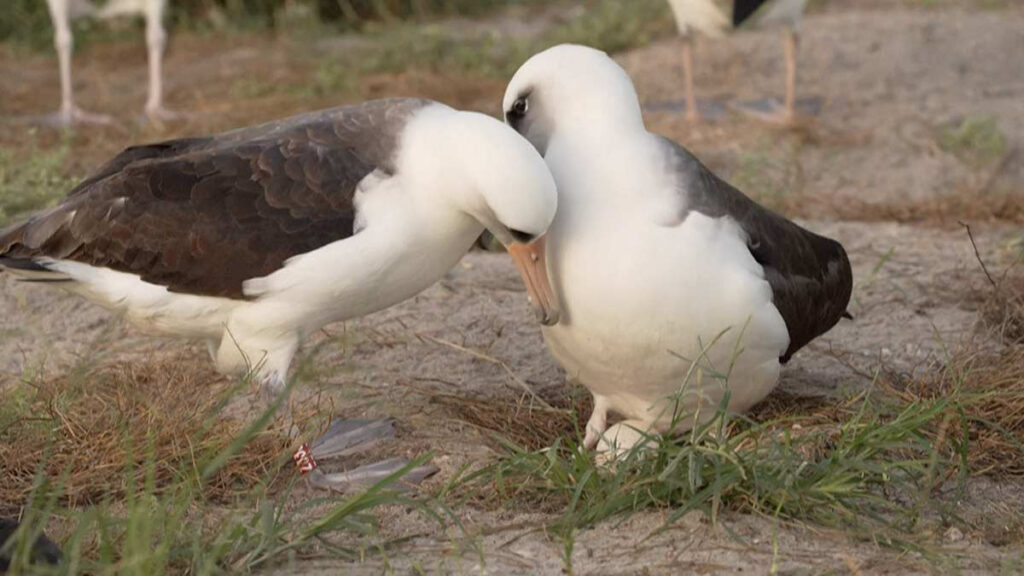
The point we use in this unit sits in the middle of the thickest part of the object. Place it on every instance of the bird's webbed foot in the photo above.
(350, 438)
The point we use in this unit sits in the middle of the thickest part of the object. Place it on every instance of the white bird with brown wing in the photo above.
(675, 287)
(253, 239)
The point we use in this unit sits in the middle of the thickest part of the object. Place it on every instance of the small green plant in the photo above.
(974, 140)
(870, 466)
(32, 180)
(608, 25)
(615, 26)
(766, 176)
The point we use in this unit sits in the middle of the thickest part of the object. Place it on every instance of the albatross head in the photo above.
(570, 88)
(512, 194)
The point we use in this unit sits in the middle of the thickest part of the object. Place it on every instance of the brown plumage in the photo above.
(201, 215)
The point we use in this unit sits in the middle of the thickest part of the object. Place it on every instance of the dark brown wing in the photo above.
(809, 274)
(202, 215)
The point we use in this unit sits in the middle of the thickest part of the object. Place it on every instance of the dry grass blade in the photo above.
(519, 422)
(93, 427)
(1003, 311)
(994, 419)
(512, 375)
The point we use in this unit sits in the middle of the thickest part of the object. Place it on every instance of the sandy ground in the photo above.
(869, 172)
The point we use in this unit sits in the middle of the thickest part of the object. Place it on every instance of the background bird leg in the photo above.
(64, 43)
(691, 100)
(791, 39)
(156, 42)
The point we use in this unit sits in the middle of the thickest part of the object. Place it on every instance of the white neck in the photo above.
(613, 175)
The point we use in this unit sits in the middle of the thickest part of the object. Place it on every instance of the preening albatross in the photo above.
(706, 17)
(252, 239)
(669, 278)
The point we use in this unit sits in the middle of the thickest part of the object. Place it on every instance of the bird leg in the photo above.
(343, 438)
(770, 109)
(620, 439)
(598, 422)
(156, 42)
(691, 100)
(351, 437)
(64, 43)
(791, 40)
(268, 356)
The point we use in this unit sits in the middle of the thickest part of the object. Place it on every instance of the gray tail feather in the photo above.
(23, 264)
(28, 270)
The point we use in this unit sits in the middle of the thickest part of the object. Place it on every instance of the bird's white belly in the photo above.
(642, 302)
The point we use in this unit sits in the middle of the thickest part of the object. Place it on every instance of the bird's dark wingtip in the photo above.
(847, 315)
(22, 264)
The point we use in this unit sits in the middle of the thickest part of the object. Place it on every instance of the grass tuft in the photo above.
(975, 140)
(871, 465)
(141, 468)
(32, 179)
(88, 424)
(607, 25)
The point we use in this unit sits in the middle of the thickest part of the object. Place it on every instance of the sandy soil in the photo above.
(889, 79)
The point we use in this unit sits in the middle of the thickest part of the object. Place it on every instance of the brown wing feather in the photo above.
(809, 274)
(202, 215)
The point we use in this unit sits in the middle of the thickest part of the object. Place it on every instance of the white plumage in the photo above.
(660, 269)
(453, 174)
(702, 16)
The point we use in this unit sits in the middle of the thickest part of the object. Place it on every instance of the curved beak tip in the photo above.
(551, 317)
(532, 265)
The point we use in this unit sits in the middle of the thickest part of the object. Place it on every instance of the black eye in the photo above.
(521, 236)
(520, 106)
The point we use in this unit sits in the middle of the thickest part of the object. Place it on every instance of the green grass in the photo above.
(26, 23)
(769, 173)
(976, 140)
(31, 179)
(608, 25)
(872, 472)
(616, 26)
(174, 531)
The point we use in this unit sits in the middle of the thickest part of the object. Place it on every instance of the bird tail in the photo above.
(115, 8)
(701, 15)
(30, 270)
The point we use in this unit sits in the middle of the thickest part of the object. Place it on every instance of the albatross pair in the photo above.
(254, 238)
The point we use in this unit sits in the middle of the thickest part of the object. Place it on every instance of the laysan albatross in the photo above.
(706, 17)
(252, 239)
(673, 285)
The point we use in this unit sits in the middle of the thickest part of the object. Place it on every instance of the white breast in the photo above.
(639, 295)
